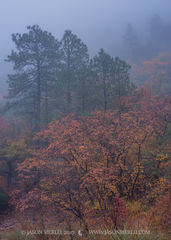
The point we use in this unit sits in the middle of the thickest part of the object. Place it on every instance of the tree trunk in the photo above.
(38, 99)
(105, 93)
(46, 105)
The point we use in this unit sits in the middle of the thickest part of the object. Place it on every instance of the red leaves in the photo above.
(155, 73)
(118, 214)
(79, 164)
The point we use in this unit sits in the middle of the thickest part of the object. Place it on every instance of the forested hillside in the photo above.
(85, 143)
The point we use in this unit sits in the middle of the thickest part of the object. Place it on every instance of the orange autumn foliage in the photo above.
(78, 164)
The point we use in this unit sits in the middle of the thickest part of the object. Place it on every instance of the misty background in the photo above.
(99, 23)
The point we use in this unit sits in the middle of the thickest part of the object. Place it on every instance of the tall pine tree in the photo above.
(75, 56)
(36, 59)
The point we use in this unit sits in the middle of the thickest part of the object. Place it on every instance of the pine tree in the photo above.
(86, 90)
(112, 78)
(75, 55)
(131, 44)
(35, 60)
(102, 65)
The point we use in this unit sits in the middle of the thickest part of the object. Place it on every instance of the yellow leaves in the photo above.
(161, 157)
(87, 203)
(112, 188)
(134, 207)
(97, 205)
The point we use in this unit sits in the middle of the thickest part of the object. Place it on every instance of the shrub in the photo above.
(160, 214)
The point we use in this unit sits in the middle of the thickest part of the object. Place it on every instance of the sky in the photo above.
(99, 23)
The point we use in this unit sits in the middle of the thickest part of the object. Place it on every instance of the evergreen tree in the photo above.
(112, 78)
(75, 56)
(122, 86)
(35, 60)
(86, 90)
(131, 44)
(102, 65)
(157, 33)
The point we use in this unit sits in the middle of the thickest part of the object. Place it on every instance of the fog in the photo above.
(99, 23)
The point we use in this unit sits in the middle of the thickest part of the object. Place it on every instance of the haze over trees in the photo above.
(52, 76)
(88, 139)
(157, 39)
